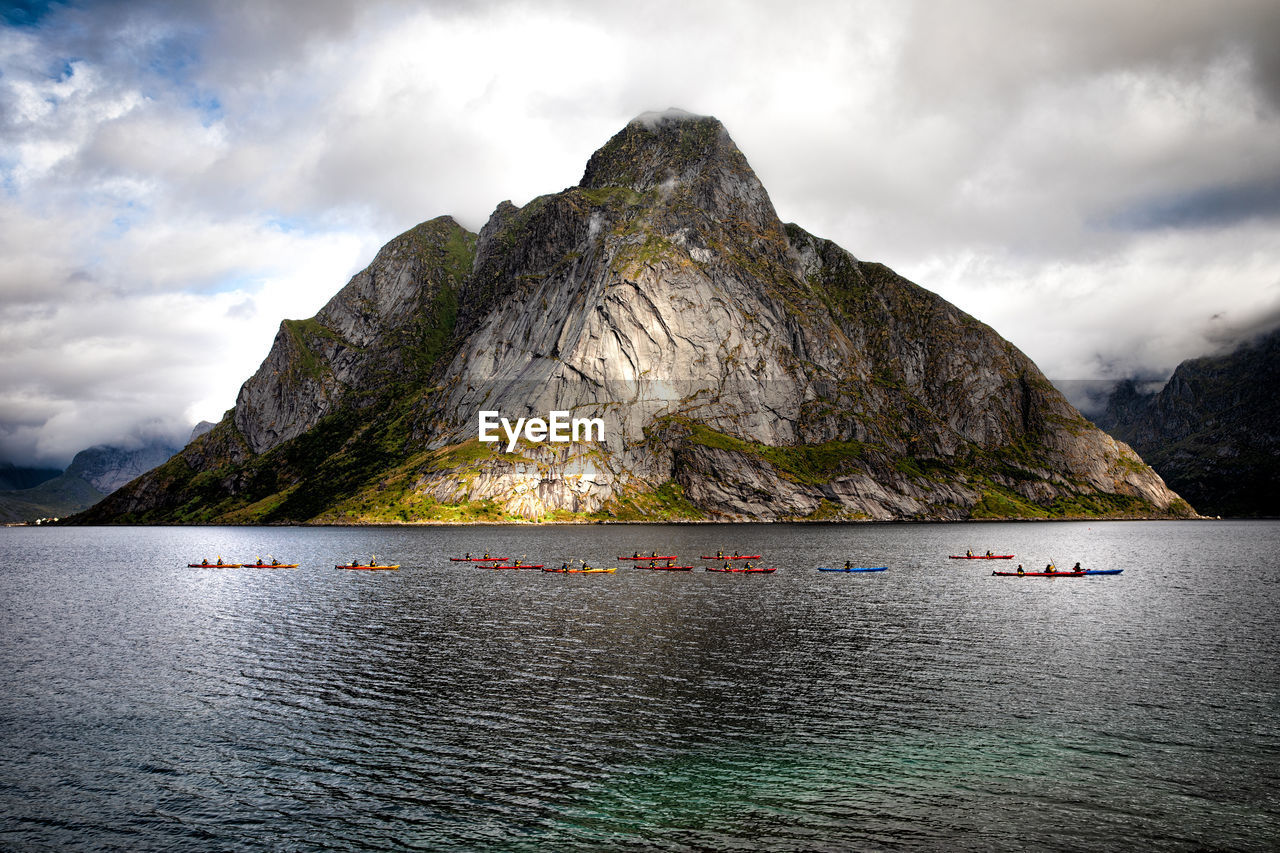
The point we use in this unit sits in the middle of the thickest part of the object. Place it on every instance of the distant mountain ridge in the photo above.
(1213, 430)
(93, 473)
(14, 477)
(744, 369)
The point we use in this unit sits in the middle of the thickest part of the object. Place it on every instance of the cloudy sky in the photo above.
(1099, 181)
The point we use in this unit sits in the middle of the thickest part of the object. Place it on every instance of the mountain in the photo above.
(740, 368)
(18, 477)
(54, 498)
(1213, 430)
(107, 468)
(92, 474)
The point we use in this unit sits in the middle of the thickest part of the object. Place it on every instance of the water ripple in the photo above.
(148, 706)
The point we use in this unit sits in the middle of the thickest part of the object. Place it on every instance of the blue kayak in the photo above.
(871, 569)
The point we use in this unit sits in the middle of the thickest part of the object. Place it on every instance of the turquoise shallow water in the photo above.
(146, 705)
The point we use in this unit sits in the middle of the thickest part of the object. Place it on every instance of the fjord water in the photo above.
(145, 705)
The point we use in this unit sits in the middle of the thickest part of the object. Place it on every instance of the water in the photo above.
(148, 706)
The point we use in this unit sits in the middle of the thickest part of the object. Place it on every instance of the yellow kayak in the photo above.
(583, 571)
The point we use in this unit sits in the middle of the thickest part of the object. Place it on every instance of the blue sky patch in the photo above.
(27, 13)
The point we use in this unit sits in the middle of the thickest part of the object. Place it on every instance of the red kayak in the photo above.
(521, 566)
(1067, 574)
(665, 568)
(655, 557)
(980, 556)
(371, 568)
(477, 559)
(752, 571)
(734, 557)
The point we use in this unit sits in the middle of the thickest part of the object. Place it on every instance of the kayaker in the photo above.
(653, 554)
(719, 553)
(989, 554)
(1020, 569)
(1076, 567)
(968, 553)
(748, 565)
(467, 556)
(486, 555)
(1049, 569)
(848, 565)
(564, 567)
(219, 560)
(652, 564)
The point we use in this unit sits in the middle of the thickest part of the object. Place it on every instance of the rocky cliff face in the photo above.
(1211, 431)
(743, 369)
(108, 468)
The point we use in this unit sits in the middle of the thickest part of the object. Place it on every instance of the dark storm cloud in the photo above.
(1213, 207)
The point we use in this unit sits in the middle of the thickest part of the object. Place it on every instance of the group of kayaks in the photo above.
(730, 563)
(499, 563)
(259, 563)
(1050, 570)
(652, 562)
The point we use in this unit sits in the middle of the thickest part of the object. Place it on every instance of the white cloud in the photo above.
(199, 172)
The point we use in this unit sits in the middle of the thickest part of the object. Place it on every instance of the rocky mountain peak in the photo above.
(658, 148)
(689, 156)
(739, 369)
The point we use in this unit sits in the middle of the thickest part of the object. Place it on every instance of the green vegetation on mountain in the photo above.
(743, 369)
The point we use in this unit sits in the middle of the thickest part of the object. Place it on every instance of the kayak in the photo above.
(665, 568)
(734, 557)
(271, 565)
(370, 568)
(215, 565)
(477, 559)
(583, 571)
(521, 566)
(1058, 574)
(744, 571)
(655, 557)
(980, 557)
(856, 569)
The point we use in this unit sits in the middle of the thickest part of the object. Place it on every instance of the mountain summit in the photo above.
(741, 368)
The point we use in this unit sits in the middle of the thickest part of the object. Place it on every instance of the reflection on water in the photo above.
(152, 706)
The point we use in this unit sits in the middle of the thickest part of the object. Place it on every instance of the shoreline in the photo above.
(676, 522)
